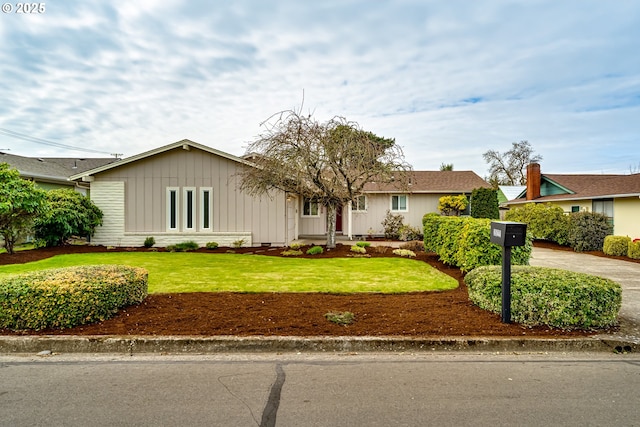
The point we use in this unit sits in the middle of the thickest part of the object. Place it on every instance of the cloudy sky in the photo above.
(448, 80)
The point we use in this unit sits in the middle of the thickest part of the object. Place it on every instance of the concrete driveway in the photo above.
(623, 272)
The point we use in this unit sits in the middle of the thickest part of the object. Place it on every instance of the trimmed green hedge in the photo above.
(465, 242)
(544, 221)
(547, 296)
(634, 250)
(67, 297)
(616, 245)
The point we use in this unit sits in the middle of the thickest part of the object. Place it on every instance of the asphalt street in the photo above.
(321, 390)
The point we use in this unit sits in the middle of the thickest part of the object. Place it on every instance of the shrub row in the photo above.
(621, 246)
(546, 296)
(465, 242)
(67, 297)
(583, 231)
(544, 221)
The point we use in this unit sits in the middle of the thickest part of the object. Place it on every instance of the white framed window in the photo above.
(173, 202)
(310, 207)
(206, 204)
(189, 206)
(360, 204)
(399, 203)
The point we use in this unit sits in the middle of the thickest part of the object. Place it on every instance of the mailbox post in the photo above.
(507, 234)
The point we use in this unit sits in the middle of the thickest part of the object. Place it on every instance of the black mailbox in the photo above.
(507, 233)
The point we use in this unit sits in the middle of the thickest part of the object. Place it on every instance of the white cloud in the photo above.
(447, 80)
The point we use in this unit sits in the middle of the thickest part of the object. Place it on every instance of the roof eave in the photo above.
(182, 143)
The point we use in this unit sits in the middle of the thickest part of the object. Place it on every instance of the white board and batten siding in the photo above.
(134, 200)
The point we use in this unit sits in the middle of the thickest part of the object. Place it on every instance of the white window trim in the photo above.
(356, 206)
(304, 199)
(185, 208)
(406, 197)
(177, 212)
(202, 206)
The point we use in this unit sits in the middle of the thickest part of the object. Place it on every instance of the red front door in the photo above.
(339, 219)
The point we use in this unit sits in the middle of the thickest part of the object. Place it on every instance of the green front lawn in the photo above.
(196, 272)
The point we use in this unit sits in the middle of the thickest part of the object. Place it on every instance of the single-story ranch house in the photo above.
(188, 191)
(617, 196)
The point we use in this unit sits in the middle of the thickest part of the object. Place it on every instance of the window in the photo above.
(189, 208)
(205, 208)
(575, 209)
(310, 208)
(172, 208)
(360, 204)
(604, 206)
(399, 203)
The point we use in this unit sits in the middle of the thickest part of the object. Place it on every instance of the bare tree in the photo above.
(329, 163)
(510, 168)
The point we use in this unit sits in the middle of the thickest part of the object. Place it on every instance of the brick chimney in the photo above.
(533, 181)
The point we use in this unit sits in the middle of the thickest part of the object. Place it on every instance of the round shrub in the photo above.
(149, 242)
(616, 245)
(315, 250)
(358, 249)
(212, 245)
(67, 297)
(547, 296)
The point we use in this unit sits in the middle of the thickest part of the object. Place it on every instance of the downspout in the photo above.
(349, 219)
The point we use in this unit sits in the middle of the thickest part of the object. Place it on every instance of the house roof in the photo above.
(580, 187)
(434, 182)
(510, 191)
(184, 144)
(51, 169)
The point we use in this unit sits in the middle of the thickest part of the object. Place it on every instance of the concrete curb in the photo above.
(229, 344)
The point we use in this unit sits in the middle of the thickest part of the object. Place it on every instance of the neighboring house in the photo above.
(50, 173)
(506, 193)
(188, 191)
(185, 191)
(365, 217)
(617, 196)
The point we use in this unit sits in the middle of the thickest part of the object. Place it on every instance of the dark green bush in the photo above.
(69, 214)
(183, 246)
(315, 250)
(544, 221)
(587, 231)
(212, 245)
(67, 297)
(466, 242)
(546, 296)
(149, 242)
(616, 245)
(484, 203)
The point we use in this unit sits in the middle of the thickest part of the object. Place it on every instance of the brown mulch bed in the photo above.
(421, 314)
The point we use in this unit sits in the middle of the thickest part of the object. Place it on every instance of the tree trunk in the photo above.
(331, 226)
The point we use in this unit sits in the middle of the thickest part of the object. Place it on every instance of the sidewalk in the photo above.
(627, 339)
